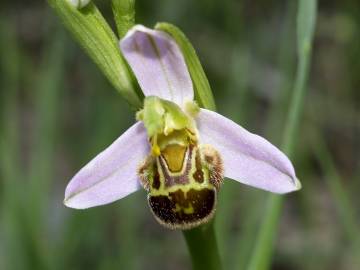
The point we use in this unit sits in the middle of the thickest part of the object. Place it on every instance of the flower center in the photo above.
(166, 122)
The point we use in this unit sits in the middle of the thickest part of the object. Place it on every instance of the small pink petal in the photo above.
(248, 158)
(158, 64)
(112, 174)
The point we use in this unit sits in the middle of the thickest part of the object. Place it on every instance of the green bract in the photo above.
(93, 33)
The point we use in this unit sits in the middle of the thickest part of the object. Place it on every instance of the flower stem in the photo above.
(261, 257)
(202, 245)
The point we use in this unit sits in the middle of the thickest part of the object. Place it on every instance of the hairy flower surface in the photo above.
(178, 152)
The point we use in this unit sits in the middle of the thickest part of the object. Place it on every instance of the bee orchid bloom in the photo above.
(178, 152)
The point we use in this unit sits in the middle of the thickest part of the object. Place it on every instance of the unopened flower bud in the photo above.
(79, 3)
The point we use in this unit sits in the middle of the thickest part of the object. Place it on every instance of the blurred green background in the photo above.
(58, 111)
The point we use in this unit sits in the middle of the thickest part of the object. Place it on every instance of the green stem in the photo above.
(201, 242)
(261, 257)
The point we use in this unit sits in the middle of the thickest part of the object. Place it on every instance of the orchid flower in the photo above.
(178, 152)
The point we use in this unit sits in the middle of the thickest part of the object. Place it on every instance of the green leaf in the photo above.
(203, 93)
(124, 14)
(96, 37)
(305, 24)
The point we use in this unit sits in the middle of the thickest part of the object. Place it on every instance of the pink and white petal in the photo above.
(158, 64)
(112, 174)
(247, 158)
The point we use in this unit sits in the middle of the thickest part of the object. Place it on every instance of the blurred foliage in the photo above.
(58, 111)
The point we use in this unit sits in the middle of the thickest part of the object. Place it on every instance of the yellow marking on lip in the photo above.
(189, 210)
(183, 188)
(193, 184)
(174, 155)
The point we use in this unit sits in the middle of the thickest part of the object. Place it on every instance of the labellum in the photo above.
(182, 183)
(182, 177)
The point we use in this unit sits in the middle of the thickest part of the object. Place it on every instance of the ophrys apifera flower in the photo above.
(178, 152)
